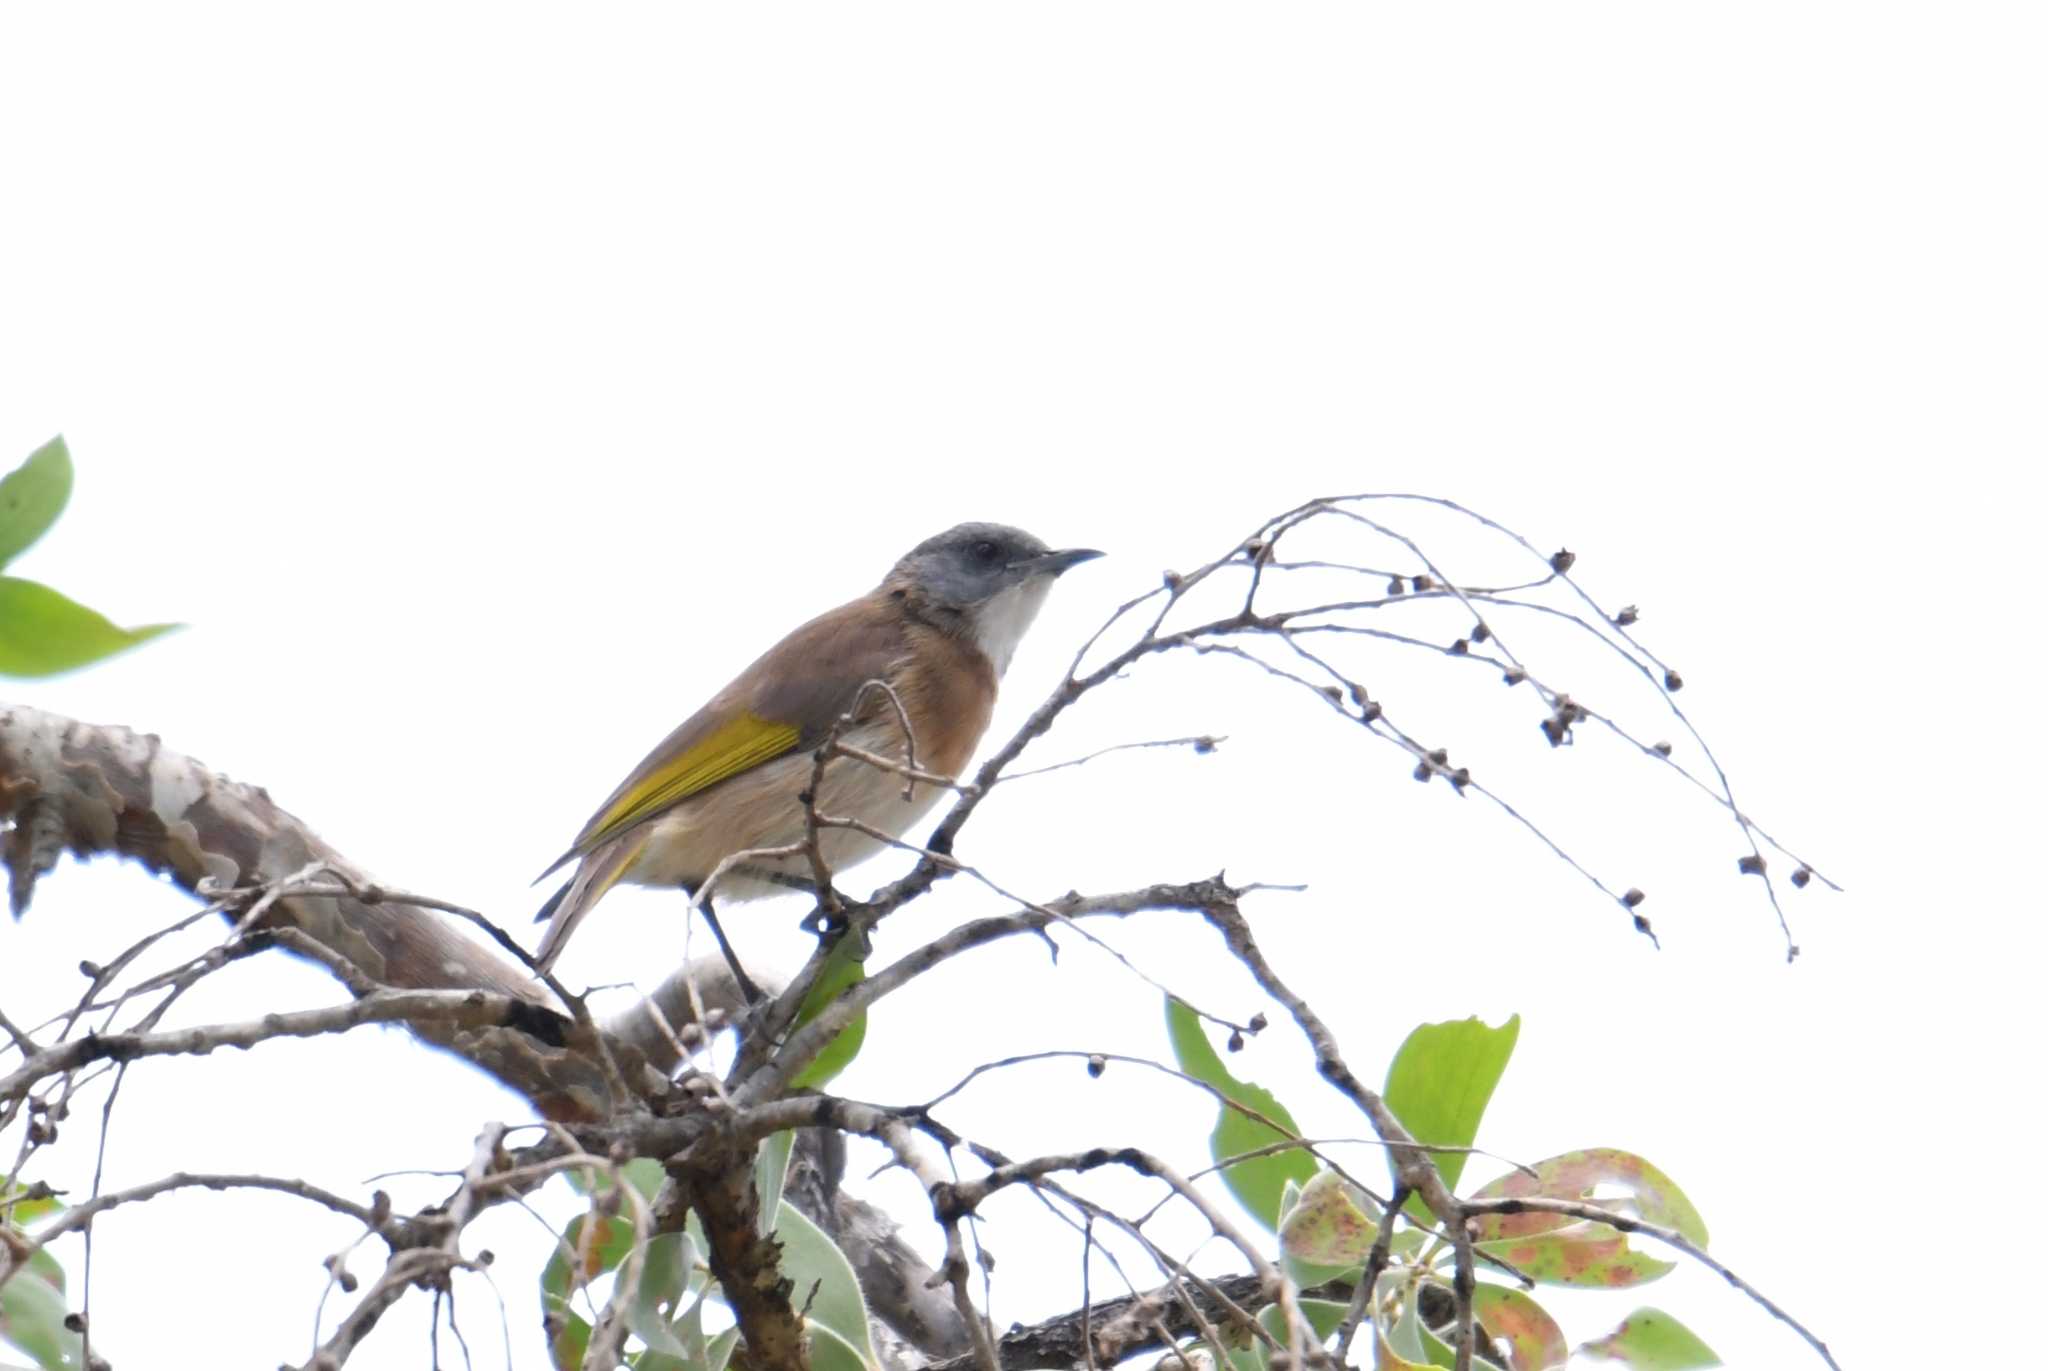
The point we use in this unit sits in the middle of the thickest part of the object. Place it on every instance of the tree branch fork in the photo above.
(630, 1087)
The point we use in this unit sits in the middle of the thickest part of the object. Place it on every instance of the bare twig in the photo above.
(80, 1217)
(1671, 1237)
(1203, 744)
(410, 1265)
(1369, 1279)
(467, 1008)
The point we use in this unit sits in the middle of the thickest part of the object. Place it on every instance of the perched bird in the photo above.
(939, 630)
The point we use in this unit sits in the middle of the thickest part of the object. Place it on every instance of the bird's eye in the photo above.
(985, 551)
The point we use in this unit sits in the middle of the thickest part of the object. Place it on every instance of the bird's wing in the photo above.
(787, 700)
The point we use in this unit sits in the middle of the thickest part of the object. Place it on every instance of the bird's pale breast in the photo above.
(946, 686)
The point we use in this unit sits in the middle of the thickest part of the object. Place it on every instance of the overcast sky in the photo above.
(483, 386)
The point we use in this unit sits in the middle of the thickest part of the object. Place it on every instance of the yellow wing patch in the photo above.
(740, 745)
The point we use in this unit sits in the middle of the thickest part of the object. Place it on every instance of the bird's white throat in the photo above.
(1000, 622)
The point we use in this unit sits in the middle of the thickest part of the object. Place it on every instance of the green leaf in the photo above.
(843, 968)
(830, 1352)
(571, 1341)
(666, 1273)
(1259, 1183)
(689, 1327)
(1535, 1342)
(32, 1303)
(1398, 1344)
(43, 633)
(16, 1213)
(1246, 1353)
(561, 1278)
(1333, 1225)
(643, 1173)
(1561, 1250)
(18, 1210)
(771, 1174)
(823, 1284)
(1439, 1085)
(1327, 1231)
(706, 1354)
(1322, 1317)
(46, 1269)
(1651, 1340)
(32, 1313)
(1305, 1275)
(1438, 1351)
(32, 496)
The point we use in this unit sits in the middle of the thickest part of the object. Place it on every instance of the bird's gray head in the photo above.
(989, 579)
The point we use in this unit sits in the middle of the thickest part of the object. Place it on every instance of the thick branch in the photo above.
(1108, 1331)
(719, 1185)
(1119, 1328)
(93, 789)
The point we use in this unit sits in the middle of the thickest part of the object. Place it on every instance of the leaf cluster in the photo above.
(1439, 1084)
(35, 1317)
(675, 1315)
(44, 632)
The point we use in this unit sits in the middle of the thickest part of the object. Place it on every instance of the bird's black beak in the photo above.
(1053, 563)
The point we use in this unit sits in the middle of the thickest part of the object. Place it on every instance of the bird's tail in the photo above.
(595, 874)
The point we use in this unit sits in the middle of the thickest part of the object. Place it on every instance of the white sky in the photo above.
(485, 385)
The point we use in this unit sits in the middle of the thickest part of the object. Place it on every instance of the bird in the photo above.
(938, 631)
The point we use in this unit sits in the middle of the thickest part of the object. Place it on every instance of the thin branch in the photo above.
(1462, 1290)
(607, 1345)
(803, 1045)
(462, 1008)
(1369, 1279)
(1411, 1165)
(1671, 1237)
(1203, 744)
(81, 1216)
(412, 1265)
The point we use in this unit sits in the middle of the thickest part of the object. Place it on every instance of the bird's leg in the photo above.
(823, 921)
(748, 990)
(786, 880)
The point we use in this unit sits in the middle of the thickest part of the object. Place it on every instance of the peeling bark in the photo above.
(106, 790)
(92, 789)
